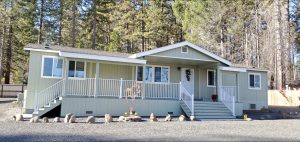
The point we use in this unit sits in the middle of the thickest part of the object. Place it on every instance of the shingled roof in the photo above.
(77, 50)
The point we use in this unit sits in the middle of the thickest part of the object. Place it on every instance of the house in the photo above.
(175, 79)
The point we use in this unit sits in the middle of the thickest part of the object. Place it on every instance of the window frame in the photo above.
(84, 76)
(53, 57)
(153, 73)
(208, 70)
(254, 88)
(187, 50)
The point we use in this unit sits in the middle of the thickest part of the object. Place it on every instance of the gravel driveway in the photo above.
(264, 130)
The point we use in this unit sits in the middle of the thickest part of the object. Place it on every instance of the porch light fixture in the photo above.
(178, 68)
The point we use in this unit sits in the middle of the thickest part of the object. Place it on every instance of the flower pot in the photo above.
(214, 98)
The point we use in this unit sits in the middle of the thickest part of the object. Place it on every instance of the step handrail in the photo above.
(187, 98)
(49, 94)
(227, 97)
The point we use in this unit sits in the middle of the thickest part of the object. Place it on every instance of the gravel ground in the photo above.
(258, 130)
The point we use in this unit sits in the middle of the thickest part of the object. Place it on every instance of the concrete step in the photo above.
(51, 105)
(201, 102)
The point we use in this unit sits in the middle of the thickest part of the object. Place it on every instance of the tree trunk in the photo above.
(2, 45)
(40, 34)
(94, 26)
(278, 55)
(60, 23)
(73, 32)
(9, 54)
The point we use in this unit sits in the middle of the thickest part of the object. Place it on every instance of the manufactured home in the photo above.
(181, 78)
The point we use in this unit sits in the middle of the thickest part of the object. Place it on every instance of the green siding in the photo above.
(35, 82)
(228, 78)
(192, 54)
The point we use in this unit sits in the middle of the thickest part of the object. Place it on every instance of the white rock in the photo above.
(108, 118)
(35, 119)
(72, 119)
(168, 118)
(19, 117)
(152, 118)
(181, 118)
(121, 119)
(192, 118)
(90, 119)
(67, 117)
(45, 120)
(56, 119)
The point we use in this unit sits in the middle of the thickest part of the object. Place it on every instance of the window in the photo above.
(211, 78)
(254, 80)
(52, 67)
(76, 69)
(153, 74)
(184, 50)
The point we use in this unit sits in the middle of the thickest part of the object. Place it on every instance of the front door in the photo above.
(187, 79)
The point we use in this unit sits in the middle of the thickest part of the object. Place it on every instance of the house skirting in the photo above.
(84, 106)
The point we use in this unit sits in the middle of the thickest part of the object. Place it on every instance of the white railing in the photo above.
(187, 98)
(120, 88)
(227, 97)
(80, 87)
(49, 94)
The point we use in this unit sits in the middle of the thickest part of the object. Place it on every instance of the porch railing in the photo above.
(49, 94)
(187, 97)
(227, 96)
(120, 88)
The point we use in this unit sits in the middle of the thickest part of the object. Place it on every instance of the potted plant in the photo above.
(214, 96)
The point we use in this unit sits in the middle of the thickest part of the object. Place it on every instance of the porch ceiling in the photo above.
(182, 61)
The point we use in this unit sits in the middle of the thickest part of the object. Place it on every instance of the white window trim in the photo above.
(153, 73)
(187, 50)
(254, 88)
(42, 67)
(214, 78)
(84, 77)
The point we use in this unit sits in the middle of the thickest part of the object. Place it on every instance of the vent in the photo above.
(88, 112)
(252, 106)
(47, 46)
(171, 113)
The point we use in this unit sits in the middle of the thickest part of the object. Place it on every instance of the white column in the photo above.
(96, 83)
(144, 78)
(219, 82)
(237, 87)
(66, 71)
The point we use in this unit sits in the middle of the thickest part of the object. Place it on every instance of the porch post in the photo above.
(65, 86)
(237, 87)
(96, 83)
(143, 85)
(219, 82)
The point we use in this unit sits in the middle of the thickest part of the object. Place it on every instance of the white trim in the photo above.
(84, 76)
(254, 69)
(42, 50)
(187, 50)
(233, 69)
(182, 58)
(255, 88)
(153, 73)
(180, 44)
(42, 67)
(214, 77)
(104, 58)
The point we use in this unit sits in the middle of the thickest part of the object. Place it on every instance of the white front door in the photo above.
(187, 79)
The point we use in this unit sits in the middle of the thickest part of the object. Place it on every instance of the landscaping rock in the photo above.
(152, 118)
(168, 118)
(56, 119)
(181, 118)
(121, 119)
(90, 119)
(133, 118)
(35, 119)
(18, 117)
(45, 120)
(67, 117)
(108, 118)
(72, 119)
(192, 118)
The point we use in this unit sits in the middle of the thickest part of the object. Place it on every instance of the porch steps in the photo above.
(209, 111)
(48, 107)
